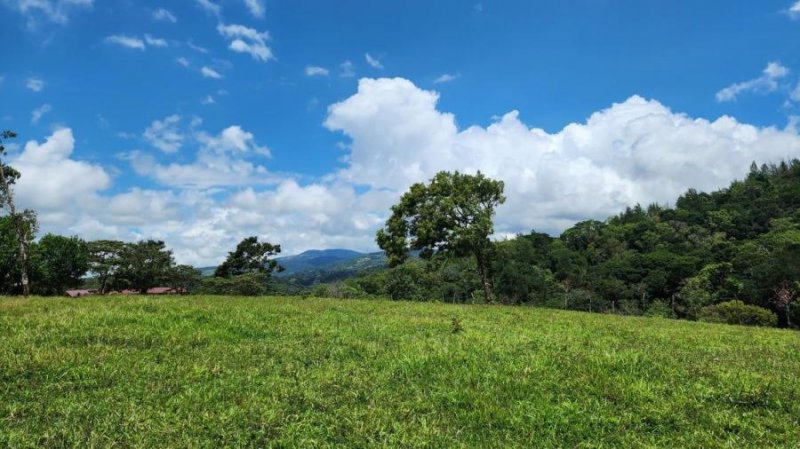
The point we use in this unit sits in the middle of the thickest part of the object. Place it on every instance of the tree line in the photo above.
(56, 263)
(731, 255)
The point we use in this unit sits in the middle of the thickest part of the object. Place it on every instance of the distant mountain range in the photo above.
(323, 265)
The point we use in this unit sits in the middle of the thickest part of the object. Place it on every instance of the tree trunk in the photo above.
(486, 279)
(21, 237)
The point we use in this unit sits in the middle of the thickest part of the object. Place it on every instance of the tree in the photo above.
(144, 265)
(104, 261)
(60, 263)
(23, 224)
(185, 278)
(250, 256)
(452, 214)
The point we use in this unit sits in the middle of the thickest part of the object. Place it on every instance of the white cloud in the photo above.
(232, 139)
(347, 69)
(164, 134)
(637, 151)
(154, 41)
(164, 15)
(222, 160)
(445, 78)
(373, 62)
(52, 183)
(767, 82)
(210, 7)
(37, 113)
(34, 84)
(247, 40)
(316, 71)
(55, 11)
(633, 151)
(208, 100)
(794, 10)
(126, 41)
(208, 72)
(256, 8)
(182, 61)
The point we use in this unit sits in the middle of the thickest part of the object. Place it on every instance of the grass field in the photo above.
(289, 372)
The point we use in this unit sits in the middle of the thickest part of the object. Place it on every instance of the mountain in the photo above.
(322, 265)
(319, 266)
(314, 259)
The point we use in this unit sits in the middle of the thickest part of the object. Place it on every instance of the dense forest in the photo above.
(739, 243)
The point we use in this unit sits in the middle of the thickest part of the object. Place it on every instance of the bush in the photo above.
(659, 309)
(737, 312)
(250, 284)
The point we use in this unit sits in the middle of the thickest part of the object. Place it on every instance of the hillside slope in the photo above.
(257, 372)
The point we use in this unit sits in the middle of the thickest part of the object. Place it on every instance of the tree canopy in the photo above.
(250, 256)
(452, 214)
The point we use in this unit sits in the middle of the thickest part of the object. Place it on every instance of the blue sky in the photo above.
(203, 121)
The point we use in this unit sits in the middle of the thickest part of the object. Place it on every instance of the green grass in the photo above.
(288, 372)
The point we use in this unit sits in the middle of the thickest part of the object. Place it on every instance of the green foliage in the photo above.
(659, 309)
(104, 261)
(185, 278)
(248, 284)
(452, 216)
(250, 256)
(58, 263)
(14, 227)
(202, 372)
(143, 265)
(737, 312)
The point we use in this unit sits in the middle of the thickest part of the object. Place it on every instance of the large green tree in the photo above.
(59, 263)
(104, 261)
(250, 256)
(143, 265)
(23, 224)
(452, 214)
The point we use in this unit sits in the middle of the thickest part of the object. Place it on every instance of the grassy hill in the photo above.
(258, 372)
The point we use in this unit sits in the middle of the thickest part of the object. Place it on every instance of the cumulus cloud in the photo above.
(247, 40)
(126, 41)
(208, 72)
(34, 84)
(53, 183)
(256, 8)
(767, 82)
(164, 134)
(222, 160)
(634, 151)
(316, 71)
(182, 61)
(164, 15)
(445, 78)
(637, 151)
(39, 112)
(372, 61)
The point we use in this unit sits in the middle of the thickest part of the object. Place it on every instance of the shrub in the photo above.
(659, 309)
(737, 312)
(250, 284)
